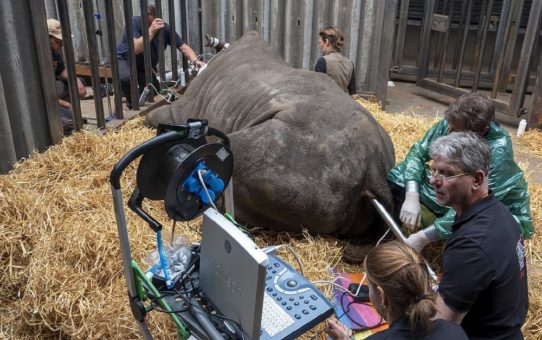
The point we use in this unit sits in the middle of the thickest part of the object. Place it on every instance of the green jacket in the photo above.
(505, 178)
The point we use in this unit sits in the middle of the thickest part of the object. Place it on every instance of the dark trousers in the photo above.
(124, 75)
(63, 92)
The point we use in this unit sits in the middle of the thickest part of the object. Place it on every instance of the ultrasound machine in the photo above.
(230, 288)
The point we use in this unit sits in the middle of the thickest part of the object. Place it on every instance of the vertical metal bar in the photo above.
(111, 40)
(511, 45)
(131, 54)
(373, 76)
(463, 44)
(199, 28)
(143, 4)
(93, 58)
(499, 38)
(423, 63)
(388, 25)
(7, 148)
(99, 32)
(482, 47)
(172, 41)
(265, 22)
(277, 27)
(502, 51)
(522, 73)
(306, 36)
(184, 32)
(352, 30)
(481, 21)
(288, 29)
(64, 17)
(440, 37)
(161, 43)
(32, 116)
(401, 32)
(462, 22)
(534, 116)
(442, 63)
(220, 24)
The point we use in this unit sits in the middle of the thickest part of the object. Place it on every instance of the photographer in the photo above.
(155, 25)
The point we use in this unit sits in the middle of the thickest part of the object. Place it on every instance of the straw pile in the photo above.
(61, 269)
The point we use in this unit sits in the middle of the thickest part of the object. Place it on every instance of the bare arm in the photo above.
(64, 104)
(80, 87)
(446, 313)
(189, 53)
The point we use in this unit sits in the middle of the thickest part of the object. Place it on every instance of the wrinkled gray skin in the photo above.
(304, 151)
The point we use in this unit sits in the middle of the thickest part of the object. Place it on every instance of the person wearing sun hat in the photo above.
(61, 75)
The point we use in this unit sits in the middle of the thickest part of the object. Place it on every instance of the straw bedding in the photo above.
(61, 269)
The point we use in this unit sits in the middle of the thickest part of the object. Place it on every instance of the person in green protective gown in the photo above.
(414, 195)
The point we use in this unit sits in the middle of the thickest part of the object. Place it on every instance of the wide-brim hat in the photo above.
(53, 26)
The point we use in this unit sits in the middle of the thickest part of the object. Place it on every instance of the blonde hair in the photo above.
(403, 275)
(333, 36)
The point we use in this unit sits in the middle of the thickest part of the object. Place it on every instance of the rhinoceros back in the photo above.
(305, 152)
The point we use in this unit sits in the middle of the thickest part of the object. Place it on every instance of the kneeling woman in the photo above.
(400, 291)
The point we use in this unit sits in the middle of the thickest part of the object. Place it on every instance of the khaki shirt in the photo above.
(339, 68)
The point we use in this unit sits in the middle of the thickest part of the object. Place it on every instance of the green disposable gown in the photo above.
(505, 178)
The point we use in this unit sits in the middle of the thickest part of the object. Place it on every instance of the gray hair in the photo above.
(465, 149)
(474, 110)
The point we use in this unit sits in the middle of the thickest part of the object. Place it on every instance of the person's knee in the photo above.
(62, 90)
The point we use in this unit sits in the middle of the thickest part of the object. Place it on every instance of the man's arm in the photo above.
(506, 181)
(189, 53)
(446, 313)
(64, 104)
(80, 86)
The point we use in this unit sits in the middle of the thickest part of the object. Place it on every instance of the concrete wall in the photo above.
(291, 26)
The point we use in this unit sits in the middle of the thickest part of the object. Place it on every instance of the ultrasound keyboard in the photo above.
(292, 305)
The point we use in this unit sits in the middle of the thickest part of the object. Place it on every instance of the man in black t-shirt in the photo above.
(155, 25)
(484, 273)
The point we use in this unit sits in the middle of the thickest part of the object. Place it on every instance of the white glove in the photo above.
(411, 210)
(422, 238)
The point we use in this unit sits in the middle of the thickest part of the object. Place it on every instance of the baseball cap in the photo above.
(53, 26)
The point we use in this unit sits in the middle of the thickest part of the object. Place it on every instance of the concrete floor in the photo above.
(408, 98)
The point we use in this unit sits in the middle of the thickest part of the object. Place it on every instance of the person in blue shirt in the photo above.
(155, 25)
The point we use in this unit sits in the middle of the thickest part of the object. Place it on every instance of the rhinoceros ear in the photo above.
(159, 115)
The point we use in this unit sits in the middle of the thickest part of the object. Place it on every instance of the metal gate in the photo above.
(465, 46)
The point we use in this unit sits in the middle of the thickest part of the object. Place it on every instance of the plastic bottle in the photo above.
(144, 95)
(521, 127)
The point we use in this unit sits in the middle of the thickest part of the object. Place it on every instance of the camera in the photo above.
(362, 295)
(216, 43)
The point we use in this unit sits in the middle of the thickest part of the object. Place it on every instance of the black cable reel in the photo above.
(188, 173)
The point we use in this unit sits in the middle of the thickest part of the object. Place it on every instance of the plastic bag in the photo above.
(177, 255)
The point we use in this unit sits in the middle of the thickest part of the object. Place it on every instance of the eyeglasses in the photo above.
(444, 178)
